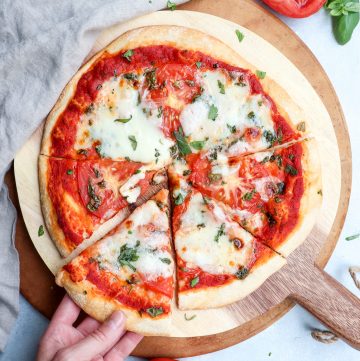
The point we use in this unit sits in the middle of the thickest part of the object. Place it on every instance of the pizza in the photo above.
(130, 269)
(170, 110)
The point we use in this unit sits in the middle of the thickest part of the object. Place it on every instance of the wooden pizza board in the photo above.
(300, 280)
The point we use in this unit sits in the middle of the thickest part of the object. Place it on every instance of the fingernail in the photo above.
(116, 320)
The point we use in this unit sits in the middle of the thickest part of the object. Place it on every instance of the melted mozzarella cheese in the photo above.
(148, 242)
(199, 243)
(140, 139)
(261, 186)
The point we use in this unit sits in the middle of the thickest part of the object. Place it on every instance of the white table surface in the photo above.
(288, 339)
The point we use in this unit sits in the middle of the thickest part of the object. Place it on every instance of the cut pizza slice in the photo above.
(274, 194)
(131, 269)
(218, 262)
(79, 196)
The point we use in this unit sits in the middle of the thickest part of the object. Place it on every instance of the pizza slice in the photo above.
(78, 196)
(218, 262)
(131, 269)
(274, 194)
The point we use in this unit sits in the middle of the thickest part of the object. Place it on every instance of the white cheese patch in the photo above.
(140, 138)
(264, 185)
(199, 243)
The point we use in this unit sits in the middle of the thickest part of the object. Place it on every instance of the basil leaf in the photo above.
(221, 87)
(181, 142)
(242, 273)
(154, 311)
(194, 281)
(165, 260)
(220, 232)
(239, 35)
(213, 112)
(189, 318)
(198, 64)
(179, 199)
(350, 238)
(232, 128)
(123, 120)
(198, 144)
(41, 231)
(260, 74)
(128, 255)
(128, 54)
(289, 169)
(249, 195)
(133, 141)
(170, 5)
(69, 172)
(301, 127)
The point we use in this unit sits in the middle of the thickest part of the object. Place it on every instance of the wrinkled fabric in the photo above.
(42, 44)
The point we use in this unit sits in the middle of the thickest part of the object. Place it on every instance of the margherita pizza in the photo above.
(245, 182)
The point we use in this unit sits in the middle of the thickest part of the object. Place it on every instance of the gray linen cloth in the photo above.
(42, 44)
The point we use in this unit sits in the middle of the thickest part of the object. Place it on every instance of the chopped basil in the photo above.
(186, 172)
(123, 120)
(220, 232)
(350, 238)
(221, 87)
(157, 155)
(90, 108)
(179, 199)
(133, 141)
(160, 111)
(181, 142)
(278, 199)
(249, 195)
(128, 54)
(301, 127)
(127, 159)
(214, 177)
(280, 188)
(291, 170)
(176, 84)
(242, 273)
(150, 76)
(213, 112)
(190, 83)
(200, 225)
(189, 318)
(170, 5)
(251, 115)
(198, 64)
(41, 231)
(198, 144)
(130, 76)
(128, 255)
(82, 151)
(291, 156)
(194, 281)
(232, 128)
(154, 311)
(165, 260)
(98, 87)
(270, 137)
(96, 172)
(130, 232)
(69, 172)
(95, 200)
(98, 150)
(319, 192)
(260, 74)
(239, 35)
(278, 160)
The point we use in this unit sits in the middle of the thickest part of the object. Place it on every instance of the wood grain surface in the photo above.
(272, 300)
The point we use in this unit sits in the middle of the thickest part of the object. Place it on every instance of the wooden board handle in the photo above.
(329, 301)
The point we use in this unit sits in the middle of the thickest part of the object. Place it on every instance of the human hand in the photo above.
(90, 341)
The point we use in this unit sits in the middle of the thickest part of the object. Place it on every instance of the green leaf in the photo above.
(232, 128)
(128, 54)
(220, 232)
(41, 231)
(239, 35)
(260, 74)
(154, 311)
(194, 281)
(179, 199)
(242, 273)
(213, 112)
(128, 255)
(133, 141)
(189, 318)
(221, 87)
(249, 195)
(165, 260)
(69, 172)
(214, 177)
(198, 144)
(198, 64)
(170, 5)
(123, 120)
(350, 238)
(181, 142)
(301, 127)
(289, 169)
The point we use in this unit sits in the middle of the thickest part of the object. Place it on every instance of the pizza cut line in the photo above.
(216, 182)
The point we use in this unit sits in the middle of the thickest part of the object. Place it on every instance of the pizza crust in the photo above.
(182, 38)
(101, 307)
(234, 291)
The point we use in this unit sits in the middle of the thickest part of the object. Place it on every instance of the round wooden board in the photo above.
(236, 324)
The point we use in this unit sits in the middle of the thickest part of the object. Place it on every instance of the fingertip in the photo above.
(116, 320)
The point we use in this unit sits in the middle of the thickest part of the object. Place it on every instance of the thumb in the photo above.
(98, 342)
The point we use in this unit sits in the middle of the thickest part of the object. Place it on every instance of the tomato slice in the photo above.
(162, 285)
(295, 8)
(99, 183)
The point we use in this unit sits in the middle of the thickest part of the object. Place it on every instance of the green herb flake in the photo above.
(220, 232)
(160, 111)
(69, 172)
(198, 64)
(154, 311)
(278, 199)
(269, 354)
(242, 273)
(98, 150)
(251, 115)
(181, 142)
(239, 35)
(41, 231)
(221, 87)
(165, 260)
(350, 238)
(179, 199)
(194, 281)
(214, 177)
(123, 120)
(128, 255)
(319, 192)
(249, 195)
(189, 318)
(130, 76)
(170, 5)
(289, 169)
(150, 76)
(301, 127)
(232, 128)
(213, 112)
(261, 74)
(198, 144)
(128, 54)
(133, 141)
